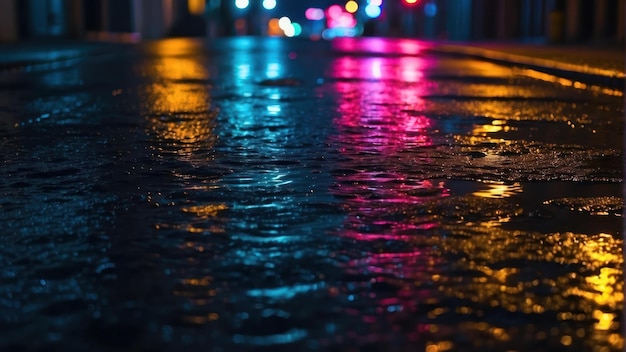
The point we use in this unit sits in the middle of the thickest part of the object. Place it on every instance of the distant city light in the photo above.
(375, 2)
(334, 11)
(410, 2)
(284, 23)
(269, 4)
(430, 9)
(345, 20)
(196, 7)
(241, 26)
(242, 4)
(314, 14)
(273, 29)
(297, 29)
(352, 6)
(289, 30)
(372, 11)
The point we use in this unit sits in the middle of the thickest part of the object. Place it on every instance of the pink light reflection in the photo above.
(411, 69)
(373, 95)
(376, 45)
(406, 69)
(376, 69)
(382, 135)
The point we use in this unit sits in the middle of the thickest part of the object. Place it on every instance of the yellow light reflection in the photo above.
(495, 126)
(568, 83)
(490, 69)
(200, 320)
(606, 287)
(593, 292)
(566, 340)
(207, 210)
(497, 222)
(177, 105)
(499, 190)
(482, 129)
(179, 68)
(604, 320)
(178, 98)
(439, 346)
(178, 101)
(176, 47)
(187, 132)
(203, 281)
(475, 140)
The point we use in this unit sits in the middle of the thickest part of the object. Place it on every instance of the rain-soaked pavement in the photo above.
(284, 195)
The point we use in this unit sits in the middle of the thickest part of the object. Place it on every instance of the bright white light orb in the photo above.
(284, 23)
(242, 4)
(289, 30)
(372, 11)
(269, 4)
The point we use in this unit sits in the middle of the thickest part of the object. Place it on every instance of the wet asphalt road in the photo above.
(271, 194)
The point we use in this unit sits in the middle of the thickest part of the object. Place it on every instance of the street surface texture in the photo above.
(284, 195)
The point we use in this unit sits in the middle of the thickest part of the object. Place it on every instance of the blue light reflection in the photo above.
(285, 292)
(290, 336)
